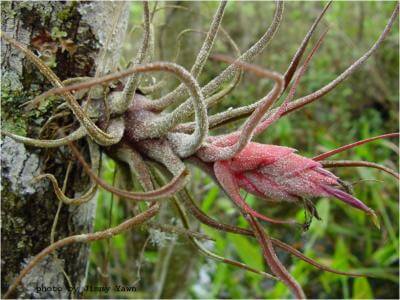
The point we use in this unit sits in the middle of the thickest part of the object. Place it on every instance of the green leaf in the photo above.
(219, 279)
(280, 291)
(362, 289)
(250, 254)
(209, 198)
(386, 255)
(151, 256)
(318, 228)
(119, 242)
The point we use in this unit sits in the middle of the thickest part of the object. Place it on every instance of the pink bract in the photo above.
(277, 173)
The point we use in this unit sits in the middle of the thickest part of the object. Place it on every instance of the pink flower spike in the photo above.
(229, 183)
(276, 173)
(255, 155)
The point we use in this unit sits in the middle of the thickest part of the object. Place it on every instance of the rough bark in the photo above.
(28, 209)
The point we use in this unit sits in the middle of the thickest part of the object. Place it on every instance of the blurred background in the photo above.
(165, 265)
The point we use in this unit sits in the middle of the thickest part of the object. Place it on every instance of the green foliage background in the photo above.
(363, 106)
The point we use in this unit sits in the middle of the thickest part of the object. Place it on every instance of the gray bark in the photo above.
(28, 209)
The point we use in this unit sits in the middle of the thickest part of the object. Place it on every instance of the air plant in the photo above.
(141, 133)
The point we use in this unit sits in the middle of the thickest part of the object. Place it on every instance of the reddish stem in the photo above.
(349, 146)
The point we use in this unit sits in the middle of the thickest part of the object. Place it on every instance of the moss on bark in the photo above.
(68, 43)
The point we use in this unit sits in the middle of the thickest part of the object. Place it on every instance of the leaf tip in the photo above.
(375, 219)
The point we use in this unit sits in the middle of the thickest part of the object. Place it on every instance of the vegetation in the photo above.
(365, 105)
(161, 258)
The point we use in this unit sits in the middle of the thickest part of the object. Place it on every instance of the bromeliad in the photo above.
(145, 136)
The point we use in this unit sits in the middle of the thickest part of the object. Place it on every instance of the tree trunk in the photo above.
(68, 37)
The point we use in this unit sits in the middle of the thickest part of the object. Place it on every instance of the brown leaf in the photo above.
(69, 45)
